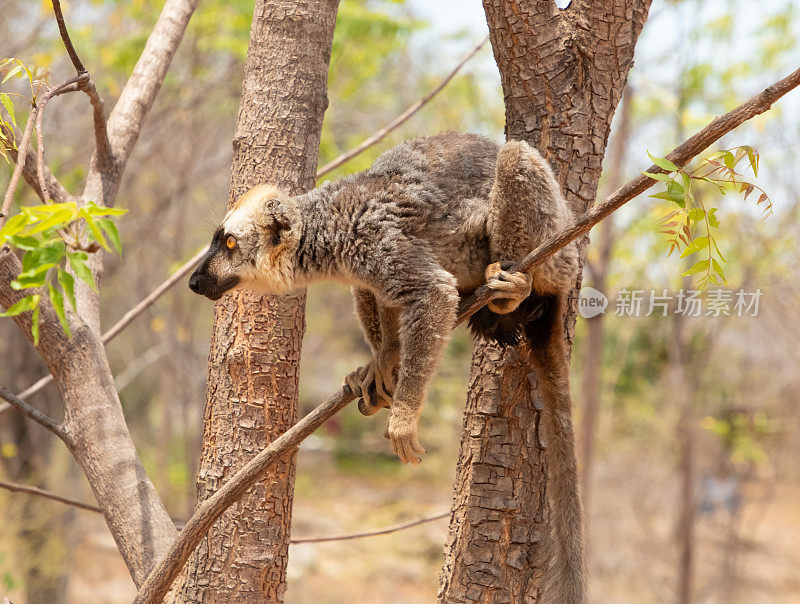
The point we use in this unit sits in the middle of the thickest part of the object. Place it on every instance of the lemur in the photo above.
(432, 220)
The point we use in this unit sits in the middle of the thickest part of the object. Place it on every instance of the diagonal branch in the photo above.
(20, 165)
(29, 173)
(127, 118)
(70, 85)
(36, 415)
(400, 119)
(21, 488)
(161, 577)
(124, 321)
(62, 29)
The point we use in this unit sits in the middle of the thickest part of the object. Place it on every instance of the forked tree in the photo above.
(563, 72)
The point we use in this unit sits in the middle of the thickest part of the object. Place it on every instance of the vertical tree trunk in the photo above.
(562, 73)
(255, 349)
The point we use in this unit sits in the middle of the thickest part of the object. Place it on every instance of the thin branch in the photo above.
(20, 488)
(161, 577)
(124, 321)
(400, 119)
(374, 532)
(62, 29)
(70, 85)
(127, 117)
(29, 173)
(12, 185)
(36, 415)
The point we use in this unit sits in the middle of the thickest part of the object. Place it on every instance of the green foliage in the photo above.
(741, 434)
(48, 234)
(692, 227)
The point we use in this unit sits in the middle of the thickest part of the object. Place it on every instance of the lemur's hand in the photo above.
(516, 286)
(402, 432)
(374, 383)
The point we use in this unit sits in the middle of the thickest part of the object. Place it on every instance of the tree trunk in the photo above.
(255, 349)
(562, 73)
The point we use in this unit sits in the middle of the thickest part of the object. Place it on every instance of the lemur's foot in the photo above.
(516, 286)
(374, 384)
(402, 432)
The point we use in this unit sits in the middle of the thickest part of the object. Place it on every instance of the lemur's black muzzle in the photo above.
(205, 284)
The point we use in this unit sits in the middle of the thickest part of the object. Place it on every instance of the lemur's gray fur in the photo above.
(433, 219)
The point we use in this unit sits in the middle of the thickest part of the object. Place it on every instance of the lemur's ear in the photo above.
(272, 217)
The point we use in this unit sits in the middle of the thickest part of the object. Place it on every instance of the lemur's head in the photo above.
(253, 247)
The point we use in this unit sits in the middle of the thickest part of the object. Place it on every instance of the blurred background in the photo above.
(687, 426)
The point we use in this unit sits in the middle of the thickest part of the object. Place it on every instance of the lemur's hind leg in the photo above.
(525, 209)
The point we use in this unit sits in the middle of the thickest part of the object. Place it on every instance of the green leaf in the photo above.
(67, 283)
(57, 299)
(12, 73)
(25, 304)
(50, 208)
(657, 176)
(9, 105)
(752, 156)
(696, 214)
(719, 271)
(696, 244)
(14, 225)
(24, 242)
(36, 277)
(719, 252)
(713, 221)
(663, 163)
(77, 261)
(97, 234)
(57, 220)
(93, 209)
(111, 230)
(697, 268)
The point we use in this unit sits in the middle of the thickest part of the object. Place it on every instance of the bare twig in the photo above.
(37, 492)
(70, 85)
(29, 173)
(36, 415)
(21, 488)
(161, 577)
(374, 532)
(123, 322)
(21, 157)
(62, 29)
(400, 119)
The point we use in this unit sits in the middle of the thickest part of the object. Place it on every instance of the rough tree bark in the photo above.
(562, 73)
(252, 379)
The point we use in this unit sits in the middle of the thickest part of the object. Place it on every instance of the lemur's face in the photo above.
(252, 248)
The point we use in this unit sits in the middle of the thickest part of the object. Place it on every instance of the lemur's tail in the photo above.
(526, 208)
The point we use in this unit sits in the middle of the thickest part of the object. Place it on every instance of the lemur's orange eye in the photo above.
(230, 242)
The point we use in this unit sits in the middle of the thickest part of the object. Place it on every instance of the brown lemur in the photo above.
(432, 220)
